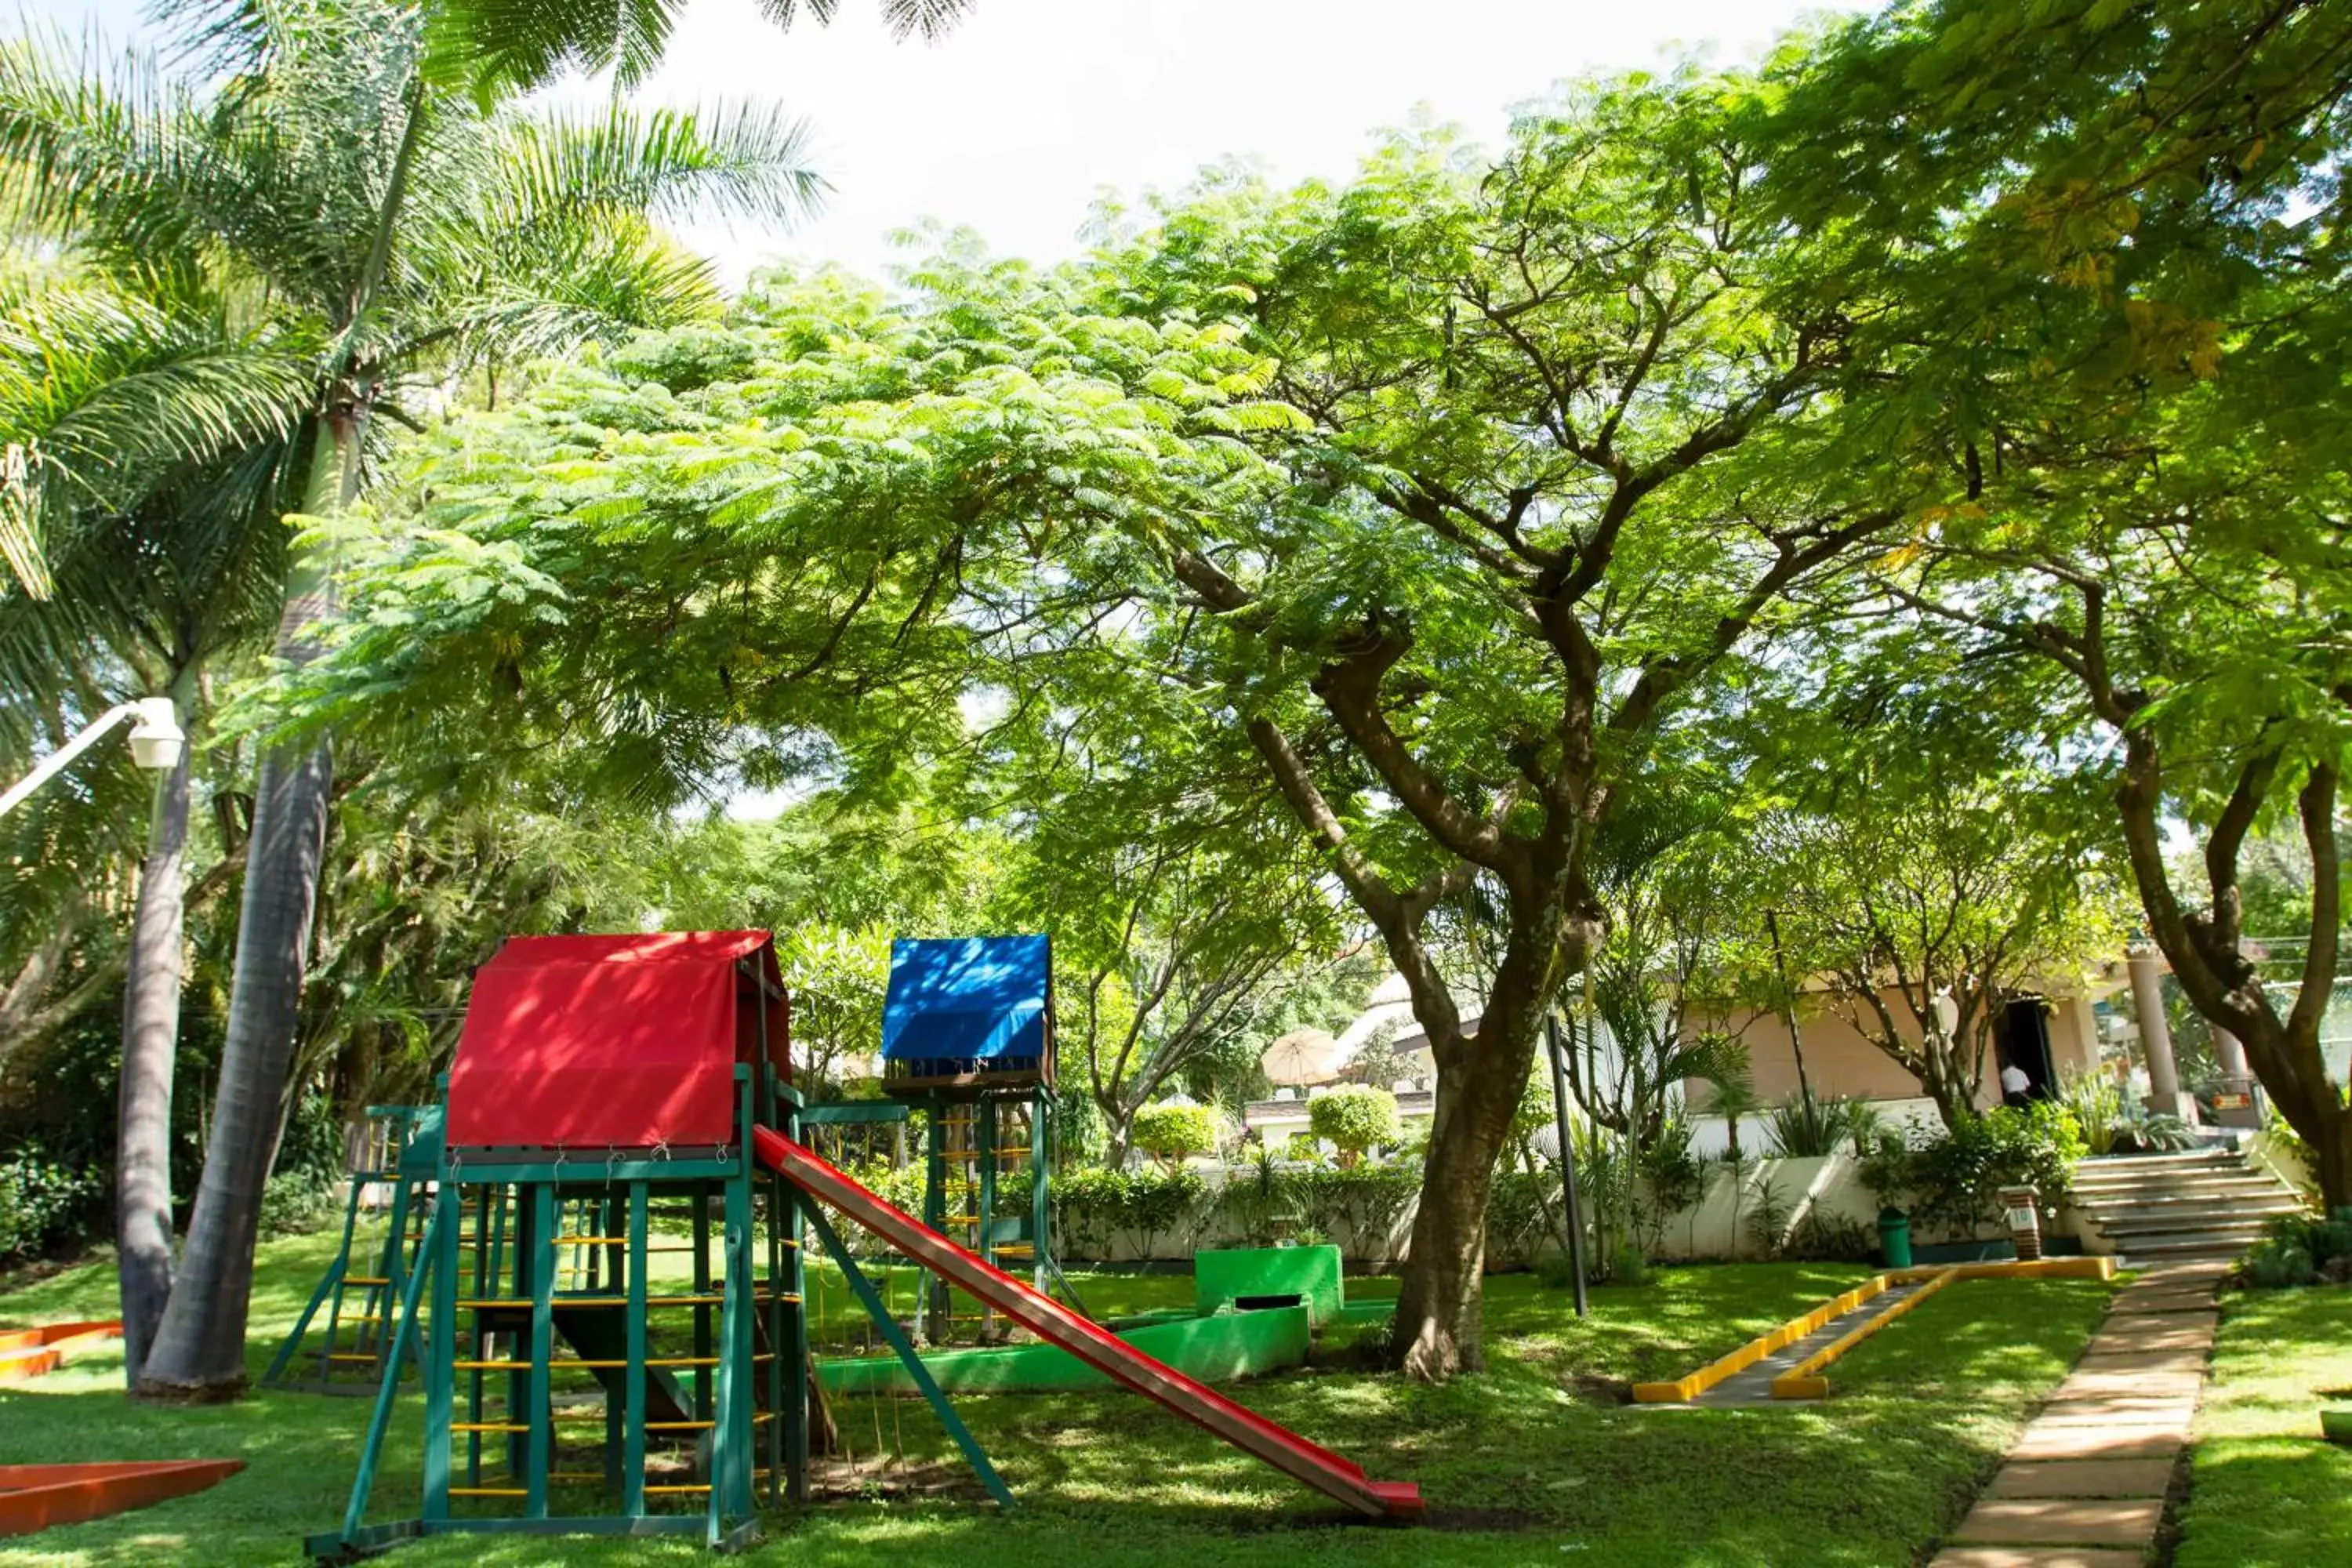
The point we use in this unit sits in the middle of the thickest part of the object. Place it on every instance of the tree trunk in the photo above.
(2332, 1153)
(151, 1033)
(199, 1350)
(1479, 1081)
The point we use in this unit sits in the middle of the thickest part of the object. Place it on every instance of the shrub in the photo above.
(2276, 1266)
(1353, 1120)
(1953, 1182)
(1093, 1205)
(2298, 1249)
(43, 1204)
(1802, 1128)
(1172, 1134)
(1629, 1266)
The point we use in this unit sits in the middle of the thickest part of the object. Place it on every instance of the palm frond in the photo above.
(745, 161)
(904, 18)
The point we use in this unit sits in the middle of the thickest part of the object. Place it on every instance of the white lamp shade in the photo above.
(1947, 1013)
(157, 739)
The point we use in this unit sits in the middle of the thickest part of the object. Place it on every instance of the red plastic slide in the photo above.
(1097, 1347)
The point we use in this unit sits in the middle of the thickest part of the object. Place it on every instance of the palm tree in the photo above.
(334, 174)
(147, 434)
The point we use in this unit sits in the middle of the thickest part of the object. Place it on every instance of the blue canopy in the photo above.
(968, 1004)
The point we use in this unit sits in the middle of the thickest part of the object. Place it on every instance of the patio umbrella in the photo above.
(1302, 1056)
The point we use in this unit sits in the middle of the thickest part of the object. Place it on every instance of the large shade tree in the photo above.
(2115, 237)
(1412, 511)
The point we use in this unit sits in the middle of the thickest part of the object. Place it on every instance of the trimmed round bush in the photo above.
(1352, 1120)
(1172, 1134)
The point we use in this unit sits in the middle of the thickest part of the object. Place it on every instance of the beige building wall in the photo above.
(1840, 1059)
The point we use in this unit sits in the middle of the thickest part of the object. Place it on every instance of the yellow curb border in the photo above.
(1683, 1390)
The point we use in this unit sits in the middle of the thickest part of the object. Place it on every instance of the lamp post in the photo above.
(156, 741)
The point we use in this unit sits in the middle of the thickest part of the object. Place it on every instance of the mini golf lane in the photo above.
(1755, 1385)
(1788, 1363)
(36, 1496)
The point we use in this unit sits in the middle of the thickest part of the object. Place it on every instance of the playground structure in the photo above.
(1790, 1361)
(399, 1157)
(611, 1090)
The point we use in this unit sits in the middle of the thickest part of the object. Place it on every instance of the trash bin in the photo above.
(1895, 1238)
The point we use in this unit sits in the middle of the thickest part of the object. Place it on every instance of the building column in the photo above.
(2164, 1095)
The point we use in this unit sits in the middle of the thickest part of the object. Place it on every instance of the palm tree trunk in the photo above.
(199, 1350)
(151, 1032)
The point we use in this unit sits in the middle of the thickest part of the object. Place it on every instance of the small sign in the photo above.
(2023, 1219)
(2232, 1101)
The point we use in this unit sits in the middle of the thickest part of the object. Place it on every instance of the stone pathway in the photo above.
(2084, 1486)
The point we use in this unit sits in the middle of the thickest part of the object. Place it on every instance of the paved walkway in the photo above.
(2084, 1486)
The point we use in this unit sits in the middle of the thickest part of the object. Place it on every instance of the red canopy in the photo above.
(613, 1042)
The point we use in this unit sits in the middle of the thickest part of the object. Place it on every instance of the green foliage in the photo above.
(44, 1204)
(1173, 1133)
(2278, 1266)
(1093, 1205)
(1824, 1124)
(1953, 1180)
(2299, 1249)
(1354, 1120)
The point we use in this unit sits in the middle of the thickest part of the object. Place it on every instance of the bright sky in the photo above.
(1030, 109)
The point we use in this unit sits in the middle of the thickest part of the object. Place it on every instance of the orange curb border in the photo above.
(26, 1353)
(36, 1496)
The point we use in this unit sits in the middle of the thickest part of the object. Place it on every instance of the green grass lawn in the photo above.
(2263, 1491)
(1526, 1461)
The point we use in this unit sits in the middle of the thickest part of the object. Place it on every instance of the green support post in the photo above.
(1041, 1212)
(867, 1298)
(632, 1415)
(439, 1391)
(931, 1292)
(539, 1442)
(441, 1222)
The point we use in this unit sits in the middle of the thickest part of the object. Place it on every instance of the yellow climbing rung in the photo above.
(490, 1427)
(680, 1425)
(352, 1355)
(489, 1491)
(667, 1490)
(364, 1279)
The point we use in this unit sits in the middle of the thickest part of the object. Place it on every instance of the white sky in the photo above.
(1015, 122)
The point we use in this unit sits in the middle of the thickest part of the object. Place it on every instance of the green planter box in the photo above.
(1212, 1350)
(1232, 1275)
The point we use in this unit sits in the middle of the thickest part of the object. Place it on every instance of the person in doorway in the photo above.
(2016, 1089)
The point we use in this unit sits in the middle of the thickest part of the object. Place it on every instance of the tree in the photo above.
(1173, 1132)
(2122, 357)
(149, 433)
(1354, 1120)
(1542, 451)
(1168, 944)
(405, 228)
(1925, 886)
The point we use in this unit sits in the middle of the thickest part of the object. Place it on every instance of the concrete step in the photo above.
(2248, 1209)
(2183, 1244)
(2188, 1159)
(2223, 1235)
(2219, 1187)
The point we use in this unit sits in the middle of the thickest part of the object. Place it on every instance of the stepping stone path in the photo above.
(2084, 1486)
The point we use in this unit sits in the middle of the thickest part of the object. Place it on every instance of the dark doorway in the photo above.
(2024, 1040)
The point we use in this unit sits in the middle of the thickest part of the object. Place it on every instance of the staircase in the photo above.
(2209, 1203)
